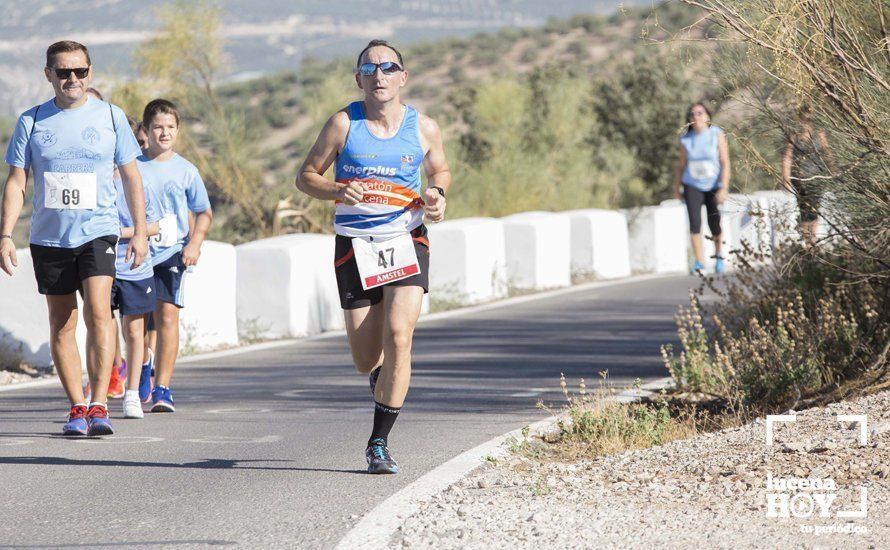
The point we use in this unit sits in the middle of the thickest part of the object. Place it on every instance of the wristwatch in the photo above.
(439, 189)
(10, 236)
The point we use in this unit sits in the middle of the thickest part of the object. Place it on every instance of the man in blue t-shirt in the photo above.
(71, 144)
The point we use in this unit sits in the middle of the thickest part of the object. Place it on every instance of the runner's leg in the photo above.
(713, 210)
(402, 305)
(167, 324)
(100, 347)
(63, 346)
(134, 334)
(364, 328)
(116, 336)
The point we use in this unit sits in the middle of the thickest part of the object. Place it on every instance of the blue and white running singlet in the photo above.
(389, 169)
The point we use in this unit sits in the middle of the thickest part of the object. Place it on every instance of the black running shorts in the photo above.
(60, 271)
(349, 283)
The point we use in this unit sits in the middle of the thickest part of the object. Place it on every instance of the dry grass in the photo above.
(595, 423)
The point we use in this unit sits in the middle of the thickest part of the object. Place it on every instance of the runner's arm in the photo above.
(151, 229)
(137, 248)
(786, 166)
(678, 173)
(192, 251)
(13, 199)
(725, 166)
(310, 178)
(438, 174)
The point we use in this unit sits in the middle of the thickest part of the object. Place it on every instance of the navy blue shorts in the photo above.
(133, 297)
(168, 280)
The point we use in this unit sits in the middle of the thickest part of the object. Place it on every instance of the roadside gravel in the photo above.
(710, 491)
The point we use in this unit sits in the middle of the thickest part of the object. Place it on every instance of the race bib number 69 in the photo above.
(63, 191)
(382, 262)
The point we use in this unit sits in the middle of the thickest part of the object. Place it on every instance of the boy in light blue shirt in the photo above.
(180, 190)
(134, 295)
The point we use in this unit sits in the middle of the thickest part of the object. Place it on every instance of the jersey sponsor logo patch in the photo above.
(47, 138)
(73, 153)
(369, 170)
(90, 135)
(407, 159)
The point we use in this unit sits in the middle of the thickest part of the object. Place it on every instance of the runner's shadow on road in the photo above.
(206, 464)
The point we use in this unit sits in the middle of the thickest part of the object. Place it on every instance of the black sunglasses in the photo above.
(65, 74)
(387, 67)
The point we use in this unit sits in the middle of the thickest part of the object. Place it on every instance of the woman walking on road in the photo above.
(703, 171)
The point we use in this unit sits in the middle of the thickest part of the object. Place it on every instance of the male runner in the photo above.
(382, 253)
(71, 143)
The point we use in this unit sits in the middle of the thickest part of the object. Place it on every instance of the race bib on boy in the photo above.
(169, 231)
(382, 262)
(702, 169)
(64, 191)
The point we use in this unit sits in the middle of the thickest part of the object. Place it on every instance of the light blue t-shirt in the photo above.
(180, 189)
(72, 154)
(703, 167)
(152, 214)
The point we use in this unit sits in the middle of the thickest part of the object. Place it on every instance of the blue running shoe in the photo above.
(697, 267)
(379, 459)
(372, 378)
(718, 265)
(100, 424)
(145, 379)
(162, 400)
(77, 422)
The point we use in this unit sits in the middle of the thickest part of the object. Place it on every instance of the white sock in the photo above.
(134, 394)
(103, 405)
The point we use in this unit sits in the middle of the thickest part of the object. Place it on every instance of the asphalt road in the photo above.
(267, 448)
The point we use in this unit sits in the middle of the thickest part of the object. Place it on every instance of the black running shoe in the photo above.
(379, 459)
(372, 378)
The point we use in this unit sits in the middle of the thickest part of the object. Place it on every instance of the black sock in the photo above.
(384, 418)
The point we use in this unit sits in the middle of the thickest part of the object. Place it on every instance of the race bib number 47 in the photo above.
(382, 262)
(63, 191)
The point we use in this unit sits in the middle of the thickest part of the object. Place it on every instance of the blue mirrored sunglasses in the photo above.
(387, 67)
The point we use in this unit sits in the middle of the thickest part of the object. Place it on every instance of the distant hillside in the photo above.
(285, 111)
(529, 109)
(263, 36)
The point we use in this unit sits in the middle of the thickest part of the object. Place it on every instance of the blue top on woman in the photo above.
(702, 169)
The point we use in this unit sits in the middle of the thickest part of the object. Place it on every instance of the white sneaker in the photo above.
(132, 405)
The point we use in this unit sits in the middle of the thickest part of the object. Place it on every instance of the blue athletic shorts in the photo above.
(133, 297)
(168, 280)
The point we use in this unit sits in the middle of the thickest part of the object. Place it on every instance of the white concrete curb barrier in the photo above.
(658, 237)
(468, 260)
(24, 320)
(287, 286)
(746, 215)
(783, 215)
(209, 318)
(599, 243)
(538, 250)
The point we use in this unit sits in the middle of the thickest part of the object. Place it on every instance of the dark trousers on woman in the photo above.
(694, 200)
